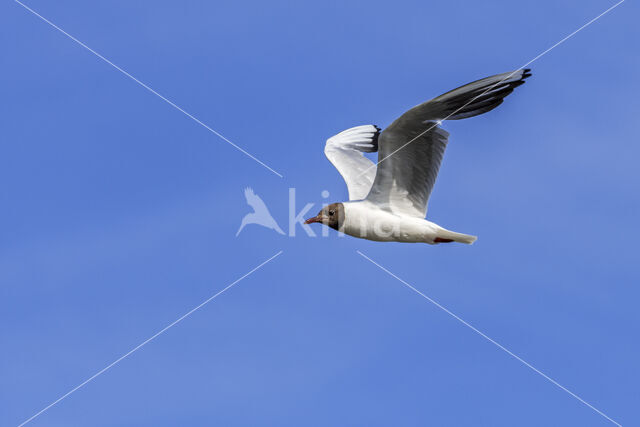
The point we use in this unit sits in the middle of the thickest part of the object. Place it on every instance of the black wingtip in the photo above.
(526, 73)
(375, 138)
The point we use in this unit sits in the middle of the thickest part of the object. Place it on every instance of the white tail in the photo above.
(448, 236)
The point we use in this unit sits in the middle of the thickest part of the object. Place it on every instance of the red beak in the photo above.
(314, 219)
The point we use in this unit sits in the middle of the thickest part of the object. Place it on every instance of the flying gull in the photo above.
(388, 200)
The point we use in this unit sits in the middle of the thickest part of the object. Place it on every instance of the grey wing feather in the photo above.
(406, 175)
(469, 100)
(412, 147)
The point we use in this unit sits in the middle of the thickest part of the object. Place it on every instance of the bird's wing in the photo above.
(404, 178)
(344, 151)
(412, 147)
(466, 101)
(254, 201)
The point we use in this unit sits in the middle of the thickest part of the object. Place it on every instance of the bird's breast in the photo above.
(366, 221)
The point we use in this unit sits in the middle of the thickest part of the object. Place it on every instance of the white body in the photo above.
(366, 220)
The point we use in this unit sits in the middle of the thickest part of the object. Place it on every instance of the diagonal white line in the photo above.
(506, 78)
(501, 347)
(195, 119)
(145, 342)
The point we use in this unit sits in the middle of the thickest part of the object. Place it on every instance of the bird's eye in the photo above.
(331, 213)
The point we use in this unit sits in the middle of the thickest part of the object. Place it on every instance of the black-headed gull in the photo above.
(388, 201)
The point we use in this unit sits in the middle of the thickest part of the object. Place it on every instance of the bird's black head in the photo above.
(331, 215)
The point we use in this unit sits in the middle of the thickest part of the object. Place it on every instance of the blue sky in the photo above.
(119, 214)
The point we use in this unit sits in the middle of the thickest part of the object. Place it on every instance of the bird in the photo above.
(260, 214)
(388, 200)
